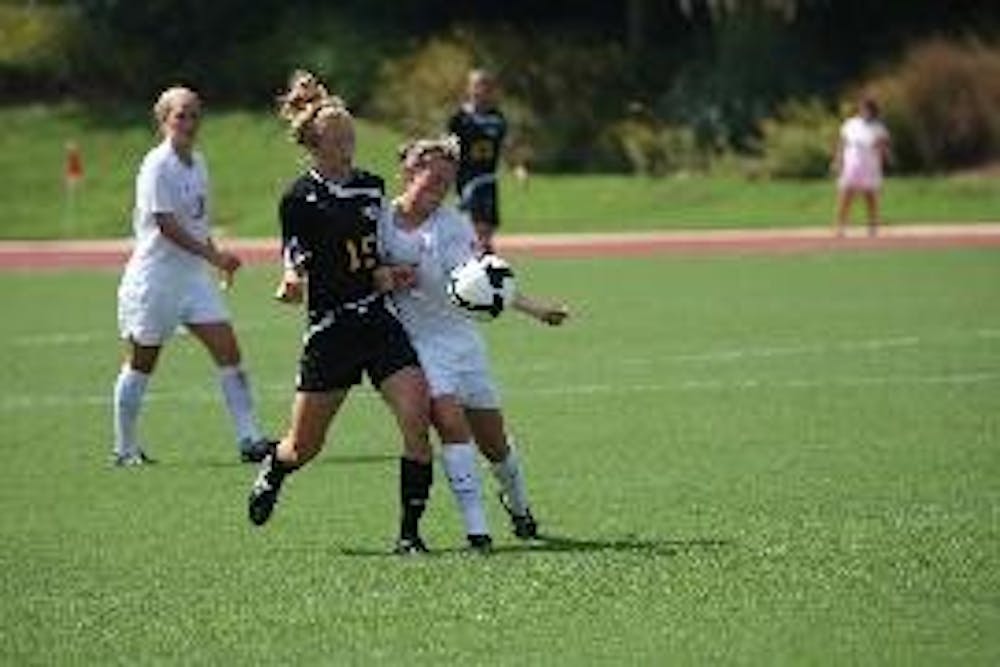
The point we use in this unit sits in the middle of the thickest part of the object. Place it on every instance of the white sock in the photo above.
(236, 390)
(463, 477)
(129, 389)
(511, 478)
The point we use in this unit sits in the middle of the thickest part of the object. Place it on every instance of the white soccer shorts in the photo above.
(465, 375)
(150, 313)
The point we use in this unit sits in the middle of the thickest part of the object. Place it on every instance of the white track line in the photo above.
(56, 339)
(55, 401)
(742, 353)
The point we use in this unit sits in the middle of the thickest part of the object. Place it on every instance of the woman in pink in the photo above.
(861, 151)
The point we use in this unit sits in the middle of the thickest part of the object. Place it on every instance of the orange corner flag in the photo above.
(74, 164)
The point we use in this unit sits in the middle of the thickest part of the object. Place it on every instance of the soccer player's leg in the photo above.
(311, 416)
(488, 429)
(458, 453)
(845, 195)
(485, 215)
(327, 371)
(871, 196)
(405, 392)
(207, 318)
(147, 318)
(396, 372)
(129, 391)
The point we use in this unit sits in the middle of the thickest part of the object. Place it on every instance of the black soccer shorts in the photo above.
(337, 357)
(481, 204)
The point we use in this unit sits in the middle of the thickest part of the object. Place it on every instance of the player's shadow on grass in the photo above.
(565, 544)
(663, 547)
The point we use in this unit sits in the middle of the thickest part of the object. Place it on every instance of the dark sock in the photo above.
(278, 470)
(414, 488)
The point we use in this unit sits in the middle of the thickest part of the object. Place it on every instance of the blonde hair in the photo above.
(304, 103)
(168, 98)
(418, 152)
(481, 74)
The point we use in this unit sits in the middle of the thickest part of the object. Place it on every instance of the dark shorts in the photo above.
(337, 356)
(481, 204)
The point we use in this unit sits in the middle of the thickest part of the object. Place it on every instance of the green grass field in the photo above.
(747, 460)
(251, 160)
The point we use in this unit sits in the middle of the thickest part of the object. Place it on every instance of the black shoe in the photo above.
(410, 546)
(264, 492)
(480, 543)
(254, 452)
(524, 525)
(136, 458)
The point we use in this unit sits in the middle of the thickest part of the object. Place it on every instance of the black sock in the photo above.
(414, 488)
(278, 470)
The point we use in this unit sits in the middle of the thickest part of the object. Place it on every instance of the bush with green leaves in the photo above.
(798, 141)
(35, 45)
(556, 94)
(656, 149)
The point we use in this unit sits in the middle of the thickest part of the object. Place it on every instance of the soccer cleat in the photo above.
(131, 459)
(480, 543)
(255, 451)
(264, 492)
(524, 525)
(410, 546)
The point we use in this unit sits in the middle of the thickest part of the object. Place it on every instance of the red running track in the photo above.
(112, 253)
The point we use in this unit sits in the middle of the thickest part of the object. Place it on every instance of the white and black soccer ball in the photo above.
(483, 286)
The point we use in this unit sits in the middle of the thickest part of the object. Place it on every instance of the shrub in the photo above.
(798, 141)
(557, 92)
(656, 149)
(418, 91)
(35, 46)
(942, 105)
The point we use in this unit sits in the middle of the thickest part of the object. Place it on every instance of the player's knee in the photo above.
(451, 427)
(494, 450)
(227, 354)
(414, 421)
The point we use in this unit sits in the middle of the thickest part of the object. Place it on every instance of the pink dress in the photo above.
(861, 166)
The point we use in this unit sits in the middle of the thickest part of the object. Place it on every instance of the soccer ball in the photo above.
(483, 286)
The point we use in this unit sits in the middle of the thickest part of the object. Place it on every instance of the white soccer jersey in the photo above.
(451, 349)
(445, 240)
(167, 185)
(164, 285)
(862, 158)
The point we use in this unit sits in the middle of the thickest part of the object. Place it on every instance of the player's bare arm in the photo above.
(553, 314)
(291, 287)
(171, 229)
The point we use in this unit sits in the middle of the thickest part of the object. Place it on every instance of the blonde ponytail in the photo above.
(306, 101)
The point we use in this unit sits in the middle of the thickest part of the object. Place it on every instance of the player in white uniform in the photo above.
(168, 282)
(861, 152)
(465, 406)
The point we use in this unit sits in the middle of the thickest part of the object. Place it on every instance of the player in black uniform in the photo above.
(329, 218)
(480, 128)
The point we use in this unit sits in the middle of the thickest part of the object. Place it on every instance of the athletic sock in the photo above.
(511, 478)
(277, 469)
(236, 390)
(463, 476)
(129, 390)
(414, 488)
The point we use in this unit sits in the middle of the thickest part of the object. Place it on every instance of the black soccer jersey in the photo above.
(480, 134)
(329, 229)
